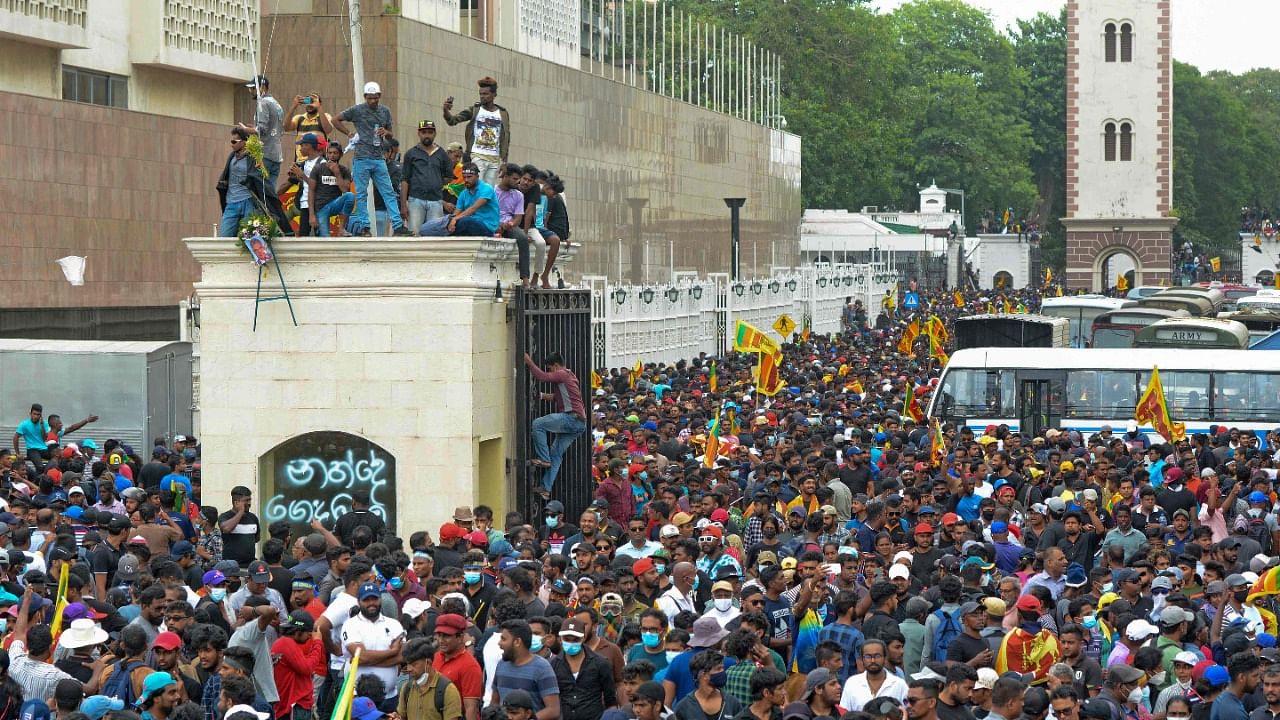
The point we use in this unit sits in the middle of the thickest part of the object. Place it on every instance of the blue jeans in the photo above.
(361, 170)
(273, 172)
(467, 227)
(236, 211)
(421, 211)
(339, 206)
(565, 427)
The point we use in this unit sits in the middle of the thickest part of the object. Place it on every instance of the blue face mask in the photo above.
(644, 474)
(553, 522)
(471, 577)
(218, 594)
(396, 583)
(1090, 622)
(660, 567)
(651, 640)
(535, 643)
(572, 648)
(696, 581)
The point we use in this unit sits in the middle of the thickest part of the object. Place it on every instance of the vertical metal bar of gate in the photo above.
(558, 321)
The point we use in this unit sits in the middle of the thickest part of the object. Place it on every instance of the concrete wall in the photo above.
(607, 140)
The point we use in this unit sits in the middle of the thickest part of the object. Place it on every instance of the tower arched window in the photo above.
(1109, 142)
(1126, 142)
(1126, 42)
(1109, 41)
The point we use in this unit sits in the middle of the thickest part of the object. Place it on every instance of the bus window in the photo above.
(977, 393)
(1246, 395)
(1113, 337)
(1186, 393)
(1108, 394)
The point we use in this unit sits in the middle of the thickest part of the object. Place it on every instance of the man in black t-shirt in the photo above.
(969, 647)
(330, 183)
(360, 515)
(953, 700)
(106, 555)
(240, 528)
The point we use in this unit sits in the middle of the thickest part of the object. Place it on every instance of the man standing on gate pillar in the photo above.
(567, 423)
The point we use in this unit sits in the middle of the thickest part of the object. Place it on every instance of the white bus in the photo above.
(1080, 310)
(1031, 389)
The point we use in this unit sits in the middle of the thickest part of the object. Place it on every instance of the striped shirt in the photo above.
(36, 677)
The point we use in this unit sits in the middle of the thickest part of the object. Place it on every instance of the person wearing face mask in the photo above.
(1121, 688)
(722, 607)
(708, 701)
(1182, 684)
(1179, 708)
(428, 695)
(585, 678)
(479, 593)
(615, 489)
(379, 638)
(652, 645)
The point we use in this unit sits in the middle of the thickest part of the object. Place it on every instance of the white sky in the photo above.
(1210, 34)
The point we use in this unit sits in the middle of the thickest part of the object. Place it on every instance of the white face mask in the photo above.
(723, 604)
(672, 654)
(1158, 678)
(1135, 696)
(1177, 717)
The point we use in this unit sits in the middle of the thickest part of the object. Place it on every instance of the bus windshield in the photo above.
(1113, 337)
(978, 393)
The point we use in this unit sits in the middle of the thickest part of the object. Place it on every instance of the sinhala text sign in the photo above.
(312, 476)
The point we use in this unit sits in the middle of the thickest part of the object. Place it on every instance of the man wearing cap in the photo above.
(296, 654)
(302, 173)
(585, 678)
(256, 585)
(426, 166)
(1136, 634)
(454, 661)
(1029, 648)
(373, 128)
(379, 638)
(268, 124)
(969, 647)
(714, 557)
(166, 650)
(161, 693)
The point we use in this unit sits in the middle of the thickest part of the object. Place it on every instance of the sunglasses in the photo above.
(708, 538)
(236, 142)
(914, 700)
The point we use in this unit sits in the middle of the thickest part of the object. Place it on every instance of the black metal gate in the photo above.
(552, 321)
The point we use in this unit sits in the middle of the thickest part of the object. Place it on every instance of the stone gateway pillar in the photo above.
(397, 379)
(1119, 142)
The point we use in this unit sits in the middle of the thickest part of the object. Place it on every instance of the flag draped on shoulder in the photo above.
(1153, 410)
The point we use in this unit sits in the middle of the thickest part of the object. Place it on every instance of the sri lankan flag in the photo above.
(713, 443)
(747, 338)
(768, 378)
(937, 445)
(807, 331)
(909, 336)
(596, 380)
(713, 380)
(938, 329)
(61, 600)
(347, 695)
(1022, 652)
(935, 349)
(635, 374)
(911, 405)
(1154, 411)
(958, 298)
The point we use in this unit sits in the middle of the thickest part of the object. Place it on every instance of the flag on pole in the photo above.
(958, 298)
(1154, 411)
(937, 444)
(713, 380)
(732, 413)
(909, 336)
(60, 601)
(347, 694)
(713, 443)
(635, 374)
(938, 353)
(768, 379)
(1059, 291)
(1048, 277)
(747, 337)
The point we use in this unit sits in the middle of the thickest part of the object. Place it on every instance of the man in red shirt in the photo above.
(303, 597)
(567, 423)
(615, 489)
(295, 657)
(455, 662)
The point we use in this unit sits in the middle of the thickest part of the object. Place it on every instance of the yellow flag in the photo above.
(1048, 276)
(1154, 411)
(596, 381)
(1122, 283)
(959, 299)
(1215, 263)
(635, 373)
(1059, 291)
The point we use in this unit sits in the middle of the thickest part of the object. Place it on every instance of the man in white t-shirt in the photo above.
(488, 133)
(309, 146)
(379, 639)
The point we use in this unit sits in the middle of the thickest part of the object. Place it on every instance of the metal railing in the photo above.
(657, 47)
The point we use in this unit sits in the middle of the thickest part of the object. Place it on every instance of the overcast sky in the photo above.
(1206, 33)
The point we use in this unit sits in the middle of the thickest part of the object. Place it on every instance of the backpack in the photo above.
(120, 684)
(441, 687)
(948, 629)
(1259, 532)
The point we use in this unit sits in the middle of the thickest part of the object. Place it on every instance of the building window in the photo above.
(1126, 142)
(1126, 43)
(1109, 41)
(1109, 142)
(98, 88)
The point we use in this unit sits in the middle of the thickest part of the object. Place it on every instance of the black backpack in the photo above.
(441, 687)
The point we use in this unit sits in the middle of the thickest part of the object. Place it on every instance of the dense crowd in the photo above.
(834, 557)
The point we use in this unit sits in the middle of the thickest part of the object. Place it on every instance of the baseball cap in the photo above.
(372, 88)
(154, 683)
(1186, 657)
(999, 526)
(97, 706)
(426, 125)
(180, 548)
(368, 590)
(413, 607)
(519, 699)
(301, 620)
(1030, 603)
(573, 626)
(970, 607)
(167, 641)
(309, 139)
(923, 529)
(814, 680)
(127, 568)
(669, 531)
(987, 678)
(995, 606)
(642, 566)
(898, 570)
(1216, 676)
(258, 572)
(213, 577)
(1140, 630)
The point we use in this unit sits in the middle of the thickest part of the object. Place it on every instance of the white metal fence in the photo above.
(696, 315)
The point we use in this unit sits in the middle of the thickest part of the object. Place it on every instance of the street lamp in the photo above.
(735, 208)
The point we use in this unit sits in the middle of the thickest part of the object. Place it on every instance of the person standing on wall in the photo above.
(373, 126)
(268, 124)
(488, 133)
(564, 425)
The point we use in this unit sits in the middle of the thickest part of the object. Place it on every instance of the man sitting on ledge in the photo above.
(475, 215)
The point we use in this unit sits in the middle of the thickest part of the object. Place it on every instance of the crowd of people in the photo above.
(832, 556)
(466, 188)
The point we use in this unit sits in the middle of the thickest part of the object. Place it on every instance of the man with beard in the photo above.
(1245, 670)
(378, 637)
(924, 555)
(314, 120)
(954, 698)
(922, 700)
(873, 682)
(520, 670)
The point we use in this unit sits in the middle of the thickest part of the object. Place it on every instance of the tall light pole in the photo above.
(735, 208)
